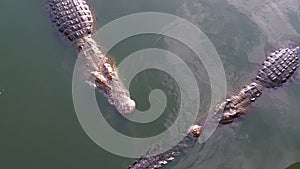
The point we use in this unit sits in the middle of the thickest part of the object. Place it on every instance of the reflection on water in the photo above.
(38, 122)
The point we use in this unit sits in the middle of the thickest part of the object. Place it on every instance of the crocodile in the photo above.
(276, 70)
(74, 20)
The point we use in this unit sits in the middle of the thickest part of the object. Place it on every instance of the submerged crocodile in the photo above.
(276, 69)
(74, 20)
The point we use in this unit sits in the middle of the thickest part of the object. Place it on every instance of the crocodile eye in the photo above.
(80, 47)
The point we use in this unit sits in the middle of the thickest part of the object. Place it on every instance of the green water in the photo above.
(39, 127)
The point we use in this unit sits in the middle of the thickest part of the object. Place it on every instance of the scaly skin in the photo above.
(278, 67)
(74, 20)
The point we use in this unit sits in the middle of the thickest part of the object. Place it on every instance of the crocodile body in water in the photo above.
(74, 20)
(276, 69)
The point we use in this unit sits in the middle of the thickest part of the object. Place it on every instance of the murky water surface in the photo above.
(38, 125)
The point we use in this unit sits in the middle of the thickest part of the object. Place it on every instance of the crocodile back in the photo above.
(73, 18)
(278, 67)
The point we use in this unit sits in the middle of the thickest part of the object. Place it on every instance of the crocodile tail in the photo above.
(162, 159)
